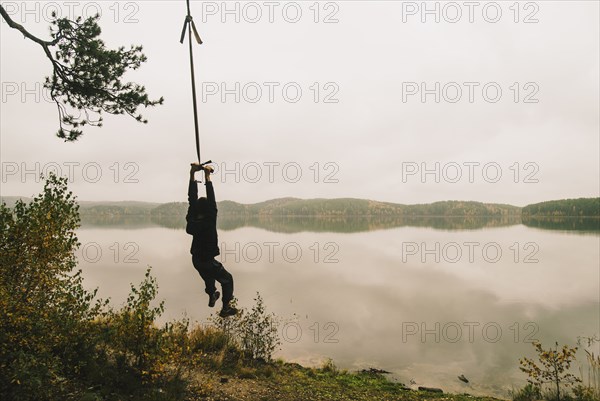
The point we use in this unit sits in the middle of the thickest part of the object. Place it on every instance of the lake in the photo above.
(427, 299)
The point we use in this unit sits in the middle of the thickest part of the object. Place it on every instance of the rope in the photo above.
(191, 28)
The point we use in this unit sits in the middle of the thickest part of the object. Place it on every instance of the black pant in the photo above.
(211, 271)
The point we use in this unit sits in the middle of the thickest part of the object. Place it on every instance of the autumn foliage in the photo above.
(57, 340)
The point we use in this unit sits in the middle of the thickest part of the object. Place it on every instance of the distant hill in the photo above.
(347, 207)
(124, 204)
(343, 207)
(100, 208)
(170, 209)
(299, 207)
(348, 215)
(125, 208)
(581, 207)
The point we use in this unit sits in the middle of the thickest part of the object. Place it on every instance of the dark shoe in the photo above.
(228, 311)
(213, 298)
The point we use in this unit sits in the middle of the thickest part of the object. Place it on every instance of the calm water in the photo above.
(427, 299)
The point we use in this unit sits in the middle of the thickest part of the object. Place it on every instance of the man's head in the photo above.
(201, 206)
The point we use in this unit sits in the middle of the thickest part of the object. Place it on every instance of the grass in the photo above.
(292, 382)
(278, 380)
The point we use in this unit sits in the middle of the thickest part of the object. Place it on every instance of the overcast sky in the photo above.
(329, 99)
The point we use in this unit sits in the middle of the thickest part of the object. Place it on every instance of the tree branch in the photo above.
(44, 43)
(25, 32)
(86, 75)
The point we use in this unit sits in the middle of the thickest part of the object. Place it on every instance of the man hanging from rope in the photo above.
(202, 224)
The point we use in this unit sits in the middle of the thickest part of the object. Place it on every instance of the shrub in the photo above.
(591, 391)
(57, 341)
(254, 332)
(527, 393)
(554, 369)
(131, 332)
(45, 313)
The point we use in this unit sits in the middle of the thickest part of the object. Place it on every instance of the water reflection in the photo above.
(386, 293)
(581, 224)
(294, 224)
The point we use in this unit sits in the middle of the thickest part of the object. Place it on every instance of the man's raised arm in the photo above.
(210, 191)
(193, 186)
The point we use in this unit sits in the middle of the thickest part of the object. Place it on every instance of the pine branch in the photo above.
(87, 77)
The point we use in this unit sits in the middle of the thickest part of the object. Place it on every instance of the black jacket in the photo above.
(202, 227)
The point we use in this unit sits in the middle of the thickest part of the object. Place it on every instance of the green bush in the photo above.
(553, 369)
(207, 339)
(131, 332)
(255, 332)
(57, 341)
(45, 313)
(528, 393)
(550, 379)
(584, 393)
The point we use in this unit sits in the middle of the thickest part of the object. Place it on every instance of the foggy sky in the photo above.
(373, 136)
